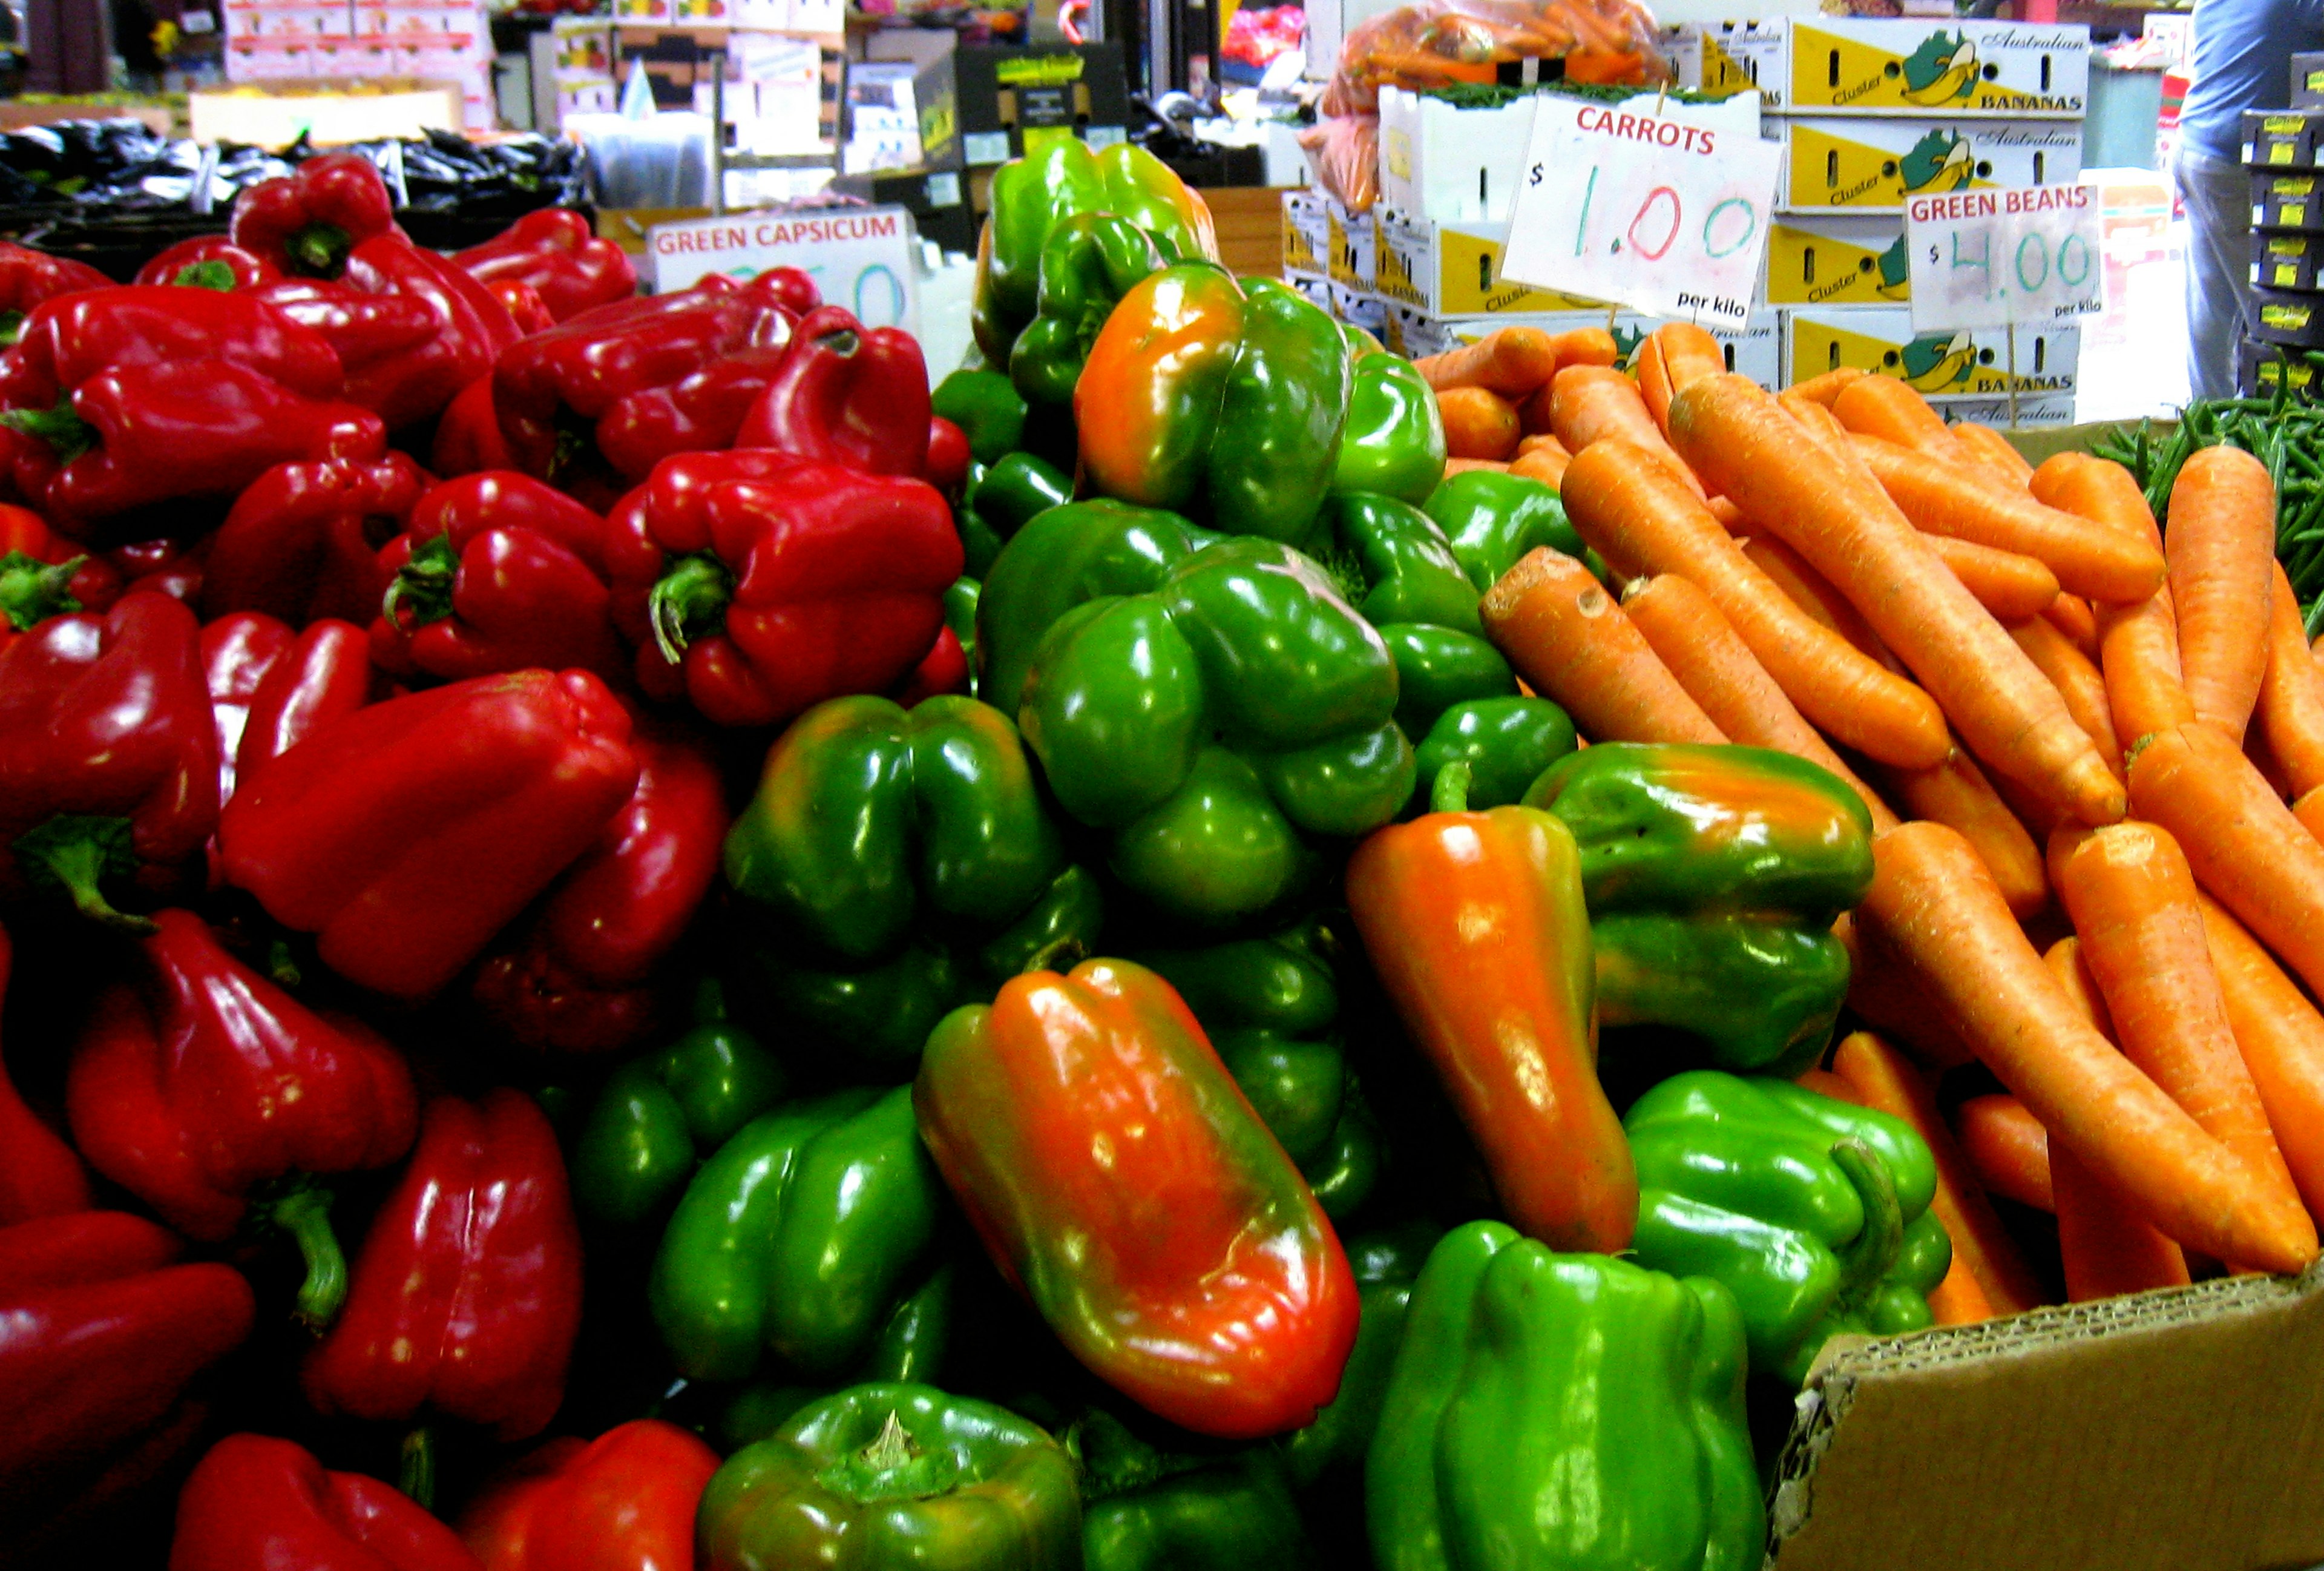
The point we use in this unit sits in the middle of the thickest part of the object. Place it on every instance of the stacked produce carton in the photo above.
(2284, 316)
(1869, 112)
(441, 41)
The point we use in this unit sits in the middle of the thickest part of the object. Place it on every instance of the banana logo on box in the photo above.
(1895, 272)
(1942, 69)
(1938, 363)
(1940, 161)
(1627, 339)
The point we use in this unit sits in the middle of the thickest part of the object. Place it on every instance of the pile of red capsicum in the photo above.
(639, 942)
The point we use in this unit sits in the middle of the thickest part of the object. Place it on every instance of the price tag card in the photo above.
(2012, 254)
(1661, 209)
(863, 258)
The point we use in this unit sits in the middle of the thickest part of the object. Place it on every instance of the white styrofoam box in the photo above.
(1911, 66)
(1872, 164)
(1698, 62)
(1966, 363)
(1351, 241)
(1454, 269)
(2045, 410)
(1843, 258)
(1307, 234)
(1755, 352)
(1314, 286)
(1360, 307)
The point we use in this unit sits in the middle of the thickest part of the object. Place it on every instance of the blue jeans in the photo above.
(2217, 198)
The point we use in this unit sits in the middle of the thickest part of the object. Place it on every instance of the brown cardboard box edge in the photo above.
(2179, 1430)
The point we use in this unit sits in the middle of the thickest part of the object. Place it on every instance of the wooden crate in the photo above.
(1249, 224)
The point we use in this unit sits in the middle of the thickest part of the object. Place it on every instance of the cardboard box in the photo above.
(1010, 101)
(1352, 240)
(2035, 410)
(2308, 81)
(2287, 201)
(1307, 234)
(1441, 270)
(1699, 58)
(321, 110)
(2177, 1430)
(1969, 363)
(2285, 259)
(1872, 165)
(1913, 66)
(1316, 287)
(1756, 353)
(1814, 261)
(1359, 307)
(2280, 317)
(2282, 138)
(937, 199)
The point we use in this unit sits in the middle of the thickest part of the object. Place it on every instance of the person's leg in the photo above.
(2217, 199)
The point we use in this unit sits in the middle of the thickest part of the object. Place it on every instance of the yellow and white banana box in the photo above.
(1872, 165)
(1918, 66)
(1964, 363)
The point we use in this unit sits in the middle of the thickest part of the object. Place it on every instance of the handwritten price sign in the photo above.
(2015, 254)
(1663, 209)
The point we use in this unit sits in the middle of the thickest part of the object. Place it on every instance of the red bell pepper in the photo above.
(698, 415)
(579, 371)
(623, 1501)
(525, 307)
(469, 436)
(496, 572)
(407, 833)
(411, 327)
(209, 262)
(944, 670)
(325, 673)
(100, 1335)
(68, 341)
(40, 1176)
(108, 752)
(757, 584)
(205, 1082)
(575, 975)
(30, 278)
(256, 1503)
(302, 541)
(174, 568)
(948, 456)
(237, 652)
(305, 223)
(848, 394)
(42, 574)
(553, 250)
(468, 1294)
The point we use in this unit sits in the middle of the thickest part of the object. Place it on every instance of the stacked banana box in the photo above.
(1870, 112)
(2284, 318)
(1421, 271)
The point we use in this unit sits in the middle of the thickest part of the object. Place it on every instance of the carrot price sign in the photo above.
(1658, 205)
(1989, 258)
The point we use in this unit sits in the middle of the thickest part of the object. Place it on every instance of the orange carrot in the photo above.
(1730, 517)
(1957, 794)
(2072, 615)
(2006, 1148)
(1593, 402)
(1478, 424)
(2078, 682)
(1543, 442)
(2009, 584)
(2291, 698)
(2098, 489)
(2221, 545)
(1509, 361)
(1817, 421)
(1624, 501)
(2138, 651)
(1825, 388)
(1885, 407)
(1812, 593)
(1851, 532)
(1884, 1081)
(1545, 463)
(1462, 465)
(1990, 448)
(1933, 901)
(1570, 643)
(1882, 990)
(1673, 355)
(2282, 1038)
(1653, 379)
(1586, 346)
(1717, 670)
(2248, 850)
(2132, 898)
(1535, 414)
(1943, 499)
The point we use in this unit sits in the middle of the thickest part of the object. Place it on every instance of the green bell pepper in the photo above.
(1089, 261)
(1212, 723)
(1505, 743)
(1031, 195)
(799, 1237)
(881, 850)
(1394, 443)
(987, 408)
(1814, 1212)
(1713, 876)
(1148, 1509)
(1567, 1410)
(1439, 667)
(960, 616)
(895, 1475)
(1492, 520)
(1219, 399)
(1334, 1446)
(909, 1348)
(1399, 557)
(657, 1115)
(999, 499)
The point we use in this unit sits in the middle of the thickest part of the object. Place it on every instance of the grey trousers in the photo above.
(2217, 198)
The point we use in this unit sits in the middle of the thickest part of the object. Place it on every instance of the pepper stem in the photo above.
(320, 250)
(423, 584)
(12, 327)
(305, 1214)
(33, 590)
(1057, 954)
(211, 275)
(690, 600)
(1450, 791)
(893, 1448)
(60, 427)
(1872, 1254)
(415, 1474)
(76, 853)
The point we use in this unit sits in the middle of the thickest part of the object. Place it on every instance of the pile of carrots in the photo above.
(2092, 750)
